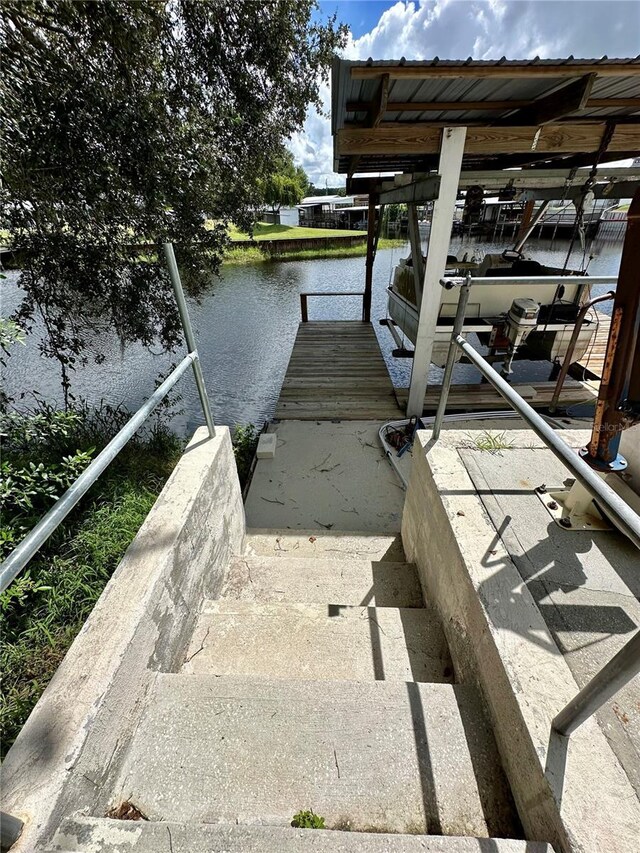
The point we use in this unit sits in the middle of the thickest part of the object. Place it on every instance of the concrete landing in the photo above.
(383, 756)
(96, 835)
(292, 640)
(586, 584)
(324, 544)
(317, 580)
(326, 476)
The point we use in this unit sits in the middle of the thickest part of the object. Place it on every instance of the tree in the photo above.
(286, 186)
(134, 123)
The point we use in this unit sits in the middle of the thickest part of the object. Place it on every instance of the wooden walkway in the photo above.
(336, 372)
(592, 362)
(477, 397)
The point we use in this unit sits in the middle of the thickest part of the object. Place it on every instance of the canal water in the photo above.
(246, 324)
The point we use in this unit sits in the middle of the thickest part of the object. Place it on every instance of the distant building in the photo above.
(334, 211)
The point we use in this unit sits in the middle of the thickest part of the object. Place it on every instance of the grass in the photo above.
(47, 604)
(264, 231)
(252, 254)
(491, 442)
(52, 598)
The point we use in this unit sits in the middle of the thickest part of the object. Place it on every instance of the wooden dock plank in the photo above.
(592, 362)
(336, 371)
(476, 397)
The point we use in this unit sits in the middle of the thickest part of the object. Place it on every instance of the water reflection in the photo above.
(246, 324)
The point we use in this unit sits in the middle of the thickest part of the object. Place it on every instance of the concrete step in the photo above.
(326, 544)
(315, 580)
(318, 641)
(83, 834)
(379, 756)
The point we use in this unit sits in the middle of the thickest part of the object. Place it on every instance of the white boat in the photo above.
(506, 320)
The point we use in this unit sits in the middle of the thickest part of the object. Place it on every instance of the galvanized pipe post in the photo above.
(622, 667)
(458, 323)
(190, 338)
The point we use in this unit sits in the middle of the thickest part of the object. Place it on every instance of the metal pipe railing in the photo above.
(190, 338)
(614, 506)
(566, 364)
(514, 281)
(304, 305)
(622, 667)
(34, 540)
(10, 830)
(626, 663)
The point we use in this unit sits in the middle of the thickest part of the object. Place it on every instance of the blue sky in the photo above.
(456, 29)
(361, 15)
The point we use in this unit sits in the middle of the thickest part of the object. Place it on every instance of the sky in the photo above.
(456, 29)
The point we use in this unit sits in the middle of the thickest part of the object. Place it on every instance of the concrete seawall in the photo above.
(73, 741)
(299, 244)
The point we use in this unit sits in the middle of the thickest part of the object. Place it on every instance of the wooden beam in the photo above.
(379, 104)
(570, 98)
(411, 138)
(416, 192)
(484, 106)
(425, 72)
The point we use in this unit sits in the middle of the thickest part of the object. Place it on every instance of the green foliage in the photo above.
(43, 609)
(492, 442)
(132, 123)
(245, 441)
(308, 820)
(286, 186)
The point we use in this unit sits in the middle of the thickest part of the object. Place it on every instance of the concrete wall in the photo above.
(69, 749)
(572, 793)
(630, 449)
(300, 244)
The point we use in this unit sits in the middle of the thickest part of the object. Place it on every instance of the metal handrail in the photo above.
(626, 663)
(304, 307)
(35, 539)
(513, 281)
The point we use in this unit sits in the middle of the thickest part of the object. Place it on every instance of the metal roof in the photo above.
(471, 82)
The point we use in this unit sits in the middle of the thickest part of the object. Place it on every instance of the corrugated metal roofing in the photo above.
(404, 89)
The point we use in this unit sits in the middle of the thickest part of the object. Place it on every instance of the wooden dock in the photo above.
(479, 397)
(337, 372)
(591, 364)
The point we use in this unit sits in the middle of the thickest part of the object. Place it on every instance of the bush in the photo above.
(44, 450)
(308, 820)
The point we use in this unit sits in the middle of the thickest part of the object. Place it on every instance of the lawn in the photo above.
(263, 231)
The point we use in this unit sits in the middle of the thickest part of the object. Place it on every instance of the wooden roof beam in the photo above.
(379, 105)
(484, 106)
(425, 72)
(571, 97)
(420, 139)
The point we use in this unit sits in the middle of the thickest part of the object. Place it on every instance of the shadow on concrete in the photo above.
(433, 825)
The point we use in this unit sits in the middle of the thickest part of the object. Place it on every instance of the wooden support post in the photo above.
(416, 250)
(527, 213)
(303, 308)
(451, 151)
(371, 251)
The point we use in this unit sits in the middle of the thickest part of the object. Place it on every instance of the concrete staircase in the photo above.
(317, 680)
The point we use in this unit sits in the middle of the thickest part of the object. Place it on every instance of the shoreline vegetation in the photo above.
(262, 246)
(267, 235)
(46, 606)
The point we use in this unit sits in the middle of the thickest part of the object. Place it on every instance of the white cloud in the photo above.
(483, 29)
